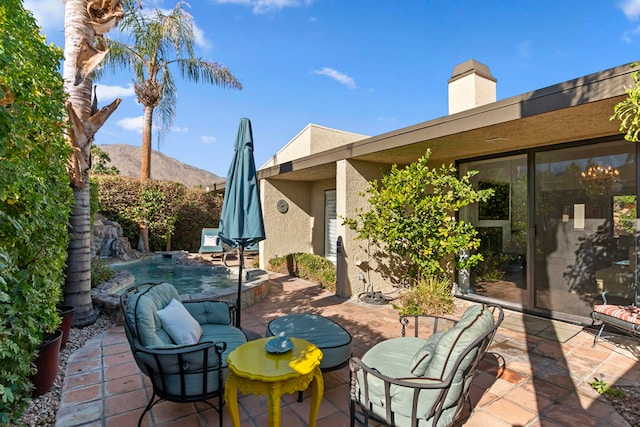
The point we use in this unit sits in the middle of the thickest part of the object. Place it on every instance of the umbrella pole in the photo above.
(239, 300)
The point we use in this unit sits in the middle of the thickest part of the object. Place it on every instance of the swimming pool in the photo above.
(187, 279)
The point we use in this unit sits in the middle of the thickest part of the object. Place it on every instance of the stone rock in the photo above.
(108, 241)
(105, 296)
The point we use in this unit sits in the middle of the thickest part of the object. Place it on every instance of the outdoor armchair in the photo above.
(181, 347)
(210, 242)
(411, 381)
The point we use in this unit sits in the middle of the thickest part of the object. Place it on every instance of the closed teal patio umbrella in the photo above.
(241, 222)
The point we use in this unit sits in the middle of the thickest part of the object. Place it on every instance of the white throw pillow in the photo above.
(210, 241)
(179, 323)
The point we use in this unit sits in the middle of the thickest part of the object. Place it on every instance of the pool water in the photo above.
(187, 279)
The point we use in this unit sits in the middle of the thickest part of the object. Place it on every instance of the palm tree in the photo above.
(84, 23)
(158, 43)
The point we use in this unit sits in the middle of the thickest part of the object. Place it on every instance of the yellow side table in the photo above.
(253, 370)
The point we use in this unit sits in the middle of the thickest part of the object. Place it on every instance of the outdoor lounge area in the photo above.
(535, 373)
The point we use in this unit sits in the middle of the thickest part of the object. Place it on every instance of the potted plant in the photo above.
(46, 362)
(66, 314)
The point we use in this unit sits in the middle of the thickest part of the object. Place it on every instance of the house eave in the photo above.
(569, 111)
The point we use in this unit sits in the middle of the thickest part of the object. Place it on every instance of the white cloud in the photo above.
(631, 8)
(48, 13)
(265, 6)
(208, 139)
(337, 76)
(132, 123)
(200, 38)
(179, 129)
(111, 92)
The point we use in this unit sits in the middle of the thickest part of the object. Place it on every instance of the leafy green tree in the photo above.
(158, 43)
(99, 161)
(628, 110)
(411, 214)
(35, 199)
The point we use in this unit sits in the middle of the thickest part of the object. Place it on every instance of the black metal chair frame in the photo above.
(355, 364)
(158, 376)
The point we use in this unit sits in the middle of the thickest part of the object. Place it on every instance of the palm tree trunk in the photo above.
(78, 286)
(145, 174)
(78, 281)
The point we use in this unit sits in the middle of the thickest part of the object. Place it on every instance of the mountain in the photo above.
(128, 159)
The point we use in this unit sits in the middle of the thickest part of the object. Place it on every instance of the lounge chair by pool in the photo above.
(210, 242)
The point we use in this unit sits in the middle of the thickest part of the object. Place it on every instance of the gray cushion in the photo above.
(231, 335)
(149, 327)
(213, 316)
(424, 355)
(393, 358)
(209, 312)
(324, 333)
(476, 321)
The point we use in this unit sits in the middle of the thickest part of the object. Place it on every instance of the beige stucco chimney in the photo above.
(471, 85)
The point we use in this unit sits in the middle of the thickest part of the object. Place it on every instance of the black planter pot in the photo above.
(66, 312)
(46, 363)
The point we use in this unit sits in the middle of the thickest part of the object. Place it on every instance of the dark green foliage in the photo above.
(412, 216)
(35, 199)
(313, 268)
(99, 161)
(411, 222)
(175, 214)
(496, 208)
(628, 110)
(94, 204)
(100, 272)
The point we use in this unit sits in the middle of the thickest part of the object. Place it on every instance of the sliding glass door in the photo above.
(559, 230)
(585, 227)
(501, 223)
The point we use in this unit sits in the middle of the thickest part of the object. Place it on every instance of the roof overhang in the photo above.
(574, 110)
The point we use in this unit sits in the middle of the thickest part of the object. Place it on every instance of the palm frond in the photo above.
(196, 69)
(177, 28)
(166, 106)
(155, 42)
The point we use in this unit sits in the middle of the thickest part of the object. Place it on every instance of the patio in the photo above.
(536, 372)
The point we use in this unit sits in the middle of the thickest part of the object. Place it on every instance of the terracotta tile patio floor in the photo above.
(536, 373)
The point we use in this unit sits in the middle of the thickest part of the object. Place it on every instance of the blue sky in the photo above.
(368, 67)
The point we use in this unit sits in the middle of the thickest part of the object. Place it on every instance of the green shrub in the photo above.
(94, 204)
(100, 272)
(35, 200)
(431, 295)
(410, 216)
(313, 268)
(175, 214)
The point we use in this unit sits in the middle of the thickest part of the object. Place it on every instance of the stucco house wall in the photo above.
(280, 227)
(310, 140)
(573, 111)
(352, 178)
